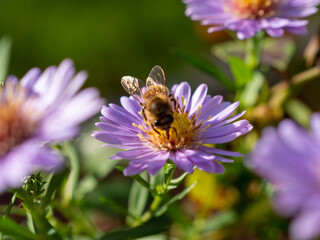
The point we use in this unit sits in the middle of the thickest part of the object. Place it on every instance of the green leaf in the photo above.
(120, 168)
(241, 72)
(151, 228)
(178, 216)
(298, 111)
(157, 181)
(208, 68)
(44, 227)
(114, 205)
(138, 198)
(10, 228)
(138, 178)
(174, 183)
(219, 221)
(174, 199)
(252, 90)
(5, 47)
(71, 153)
(55, 181)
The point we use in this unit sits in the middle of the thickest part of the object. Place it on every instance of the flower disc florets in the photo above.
(17, 117)
(199, 120)
(252, 9)
(181, 134)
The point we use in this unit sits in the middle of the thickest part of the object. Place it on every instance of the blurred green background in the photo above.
(108, 38)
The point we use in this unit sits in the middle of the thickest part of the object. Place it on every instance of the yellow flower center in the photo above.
(252, 9)
(17, 118)
(181, 133)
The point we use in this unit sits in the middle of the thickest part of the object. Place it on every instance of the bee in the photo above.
(156, 102)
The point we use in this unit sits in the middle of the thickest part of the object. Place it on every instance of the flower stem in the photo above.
(7, 212)
(157, 198)
(170, 175)
(154, 206)
(44, 229)
(253, 51)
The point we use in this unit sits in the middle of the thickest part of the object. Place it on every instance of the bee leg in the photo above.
(175, 130)
(175, 104)
(154, 129)
(143, 113)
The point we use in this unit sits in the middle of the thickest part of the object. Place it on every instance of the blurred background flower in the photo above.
(248, 17)
(289, 157)
(41, 108)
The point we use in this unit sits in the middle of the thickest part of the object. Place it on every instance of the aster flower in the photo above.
(198, 121)
(41, 108)
(247, 17)
(289, 157)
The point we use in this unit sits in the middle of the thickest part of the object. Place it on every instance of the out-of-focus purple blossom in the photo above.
(248, 17)
(289, 157)
(39, 109)
(200, 120)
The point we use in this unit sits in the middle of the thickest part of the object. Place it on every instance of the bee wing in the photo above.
(156, 77)
(132, 86)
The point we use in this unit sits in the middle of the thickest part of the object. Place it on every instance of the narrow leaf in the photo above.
(115, 206)
(137, 200)
(174, 183)
(5, 47)
(251, 91)
(298, 111)
(54, 182)
(241, 72)
(70, 151)
(219, 221)
(151, 228)
(176, 198)
(10, 228)
(138, 178)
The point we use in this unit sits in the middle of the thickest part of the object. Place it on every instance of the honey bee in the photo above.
(156, 102)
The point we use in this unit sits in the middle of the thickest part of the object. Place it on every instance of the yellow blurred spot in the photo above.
(208, 194)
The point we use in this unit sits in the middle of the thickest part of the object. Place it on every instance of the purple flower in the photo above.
(247, 17)
(41, 108)
(200, 120)
(289, 157)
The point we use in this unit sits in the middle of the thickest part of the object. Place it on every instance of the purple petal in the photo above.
(30, 78)
(315, 126)
(182, 161)
(155, 166)
(220, 151)
(134, 169)
(183, 89)
(226, 129)
(306, 225)
(207, 166)
(224, 113)
(198, 97)
(132, 106)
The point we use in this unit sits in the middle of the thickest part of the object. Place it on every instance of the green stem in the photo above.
(7, 212)
(43, 227)
(154, 206)
(156, 201)
(170, 175)
(253, 50)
